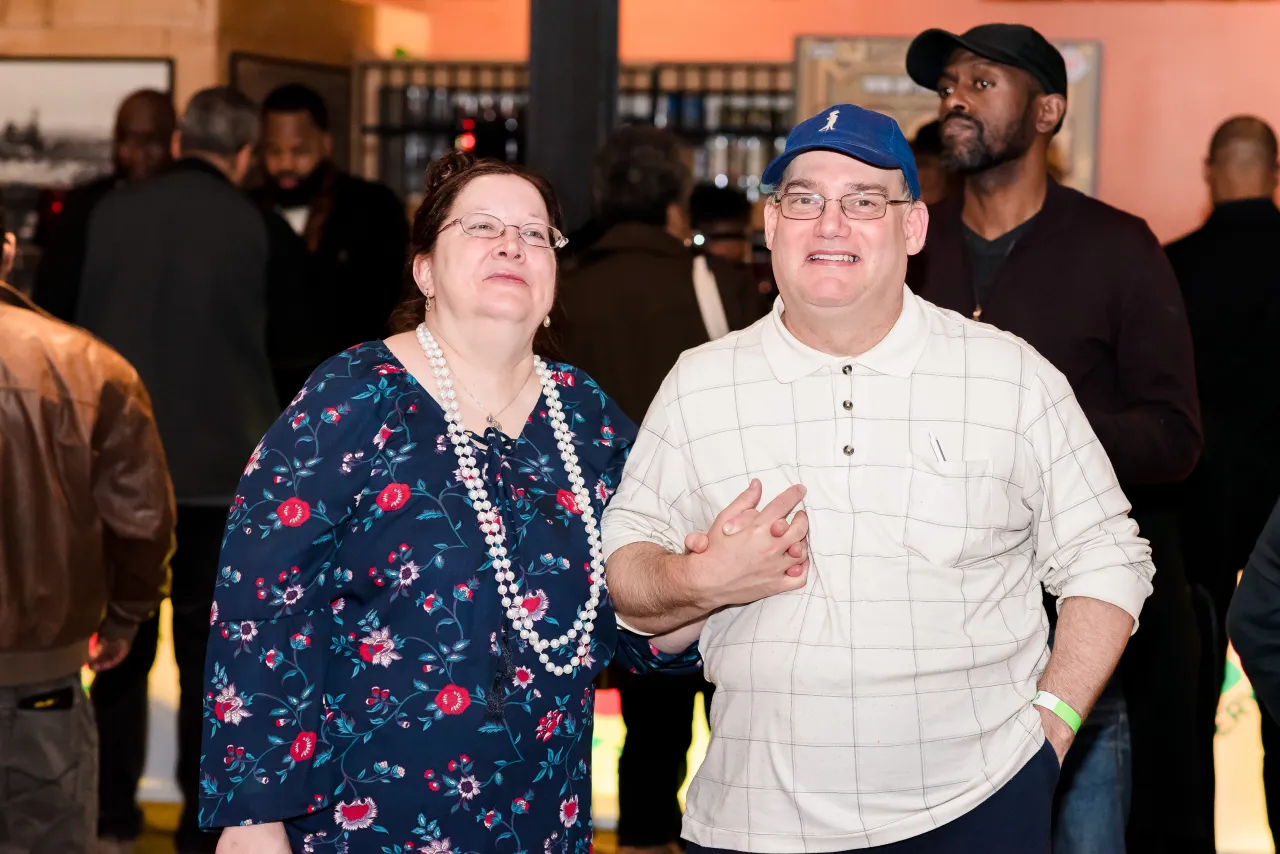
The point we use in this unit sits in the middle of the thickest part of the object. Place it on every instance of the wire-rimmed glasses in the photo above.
(490, 227)
(860, 205)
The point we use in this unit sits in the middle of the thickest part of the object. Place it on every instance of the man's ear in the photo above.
(770, 222)
(1050, 111)
(915, 226)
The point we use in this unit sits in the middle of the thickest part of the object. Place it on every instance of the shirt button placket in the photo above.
(847, 370)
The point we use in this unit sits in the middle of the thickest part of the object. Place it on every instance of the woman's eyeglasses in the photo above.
(490, 227)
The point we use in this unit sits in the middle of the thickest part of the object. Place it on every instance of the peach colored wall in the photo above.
(183, 29)
(1171, 70)
(333, 32)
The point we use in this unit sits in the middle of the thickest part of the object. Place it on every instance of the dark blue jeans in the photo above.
(1015, 820)
(1092, 804)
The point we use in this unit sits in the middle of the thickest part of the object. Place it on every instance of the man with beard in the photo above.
(355, 231)
(1089, 287)
(141, 148)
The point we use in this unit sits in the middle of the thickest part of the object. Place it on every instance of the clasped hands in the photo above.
(749, 554)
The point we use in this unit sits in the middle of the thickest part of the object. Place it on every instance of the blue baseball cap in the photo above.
(871, 137)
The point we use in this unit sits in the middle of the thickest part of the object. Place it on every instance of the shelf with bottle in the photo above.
(735, 116)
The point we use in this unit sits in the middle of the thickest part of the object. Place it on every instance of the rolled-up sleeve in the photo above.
(653, 504)
(1085, 543)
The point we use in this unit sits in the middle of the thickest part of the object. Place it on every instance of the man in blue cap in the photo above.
(882, 674)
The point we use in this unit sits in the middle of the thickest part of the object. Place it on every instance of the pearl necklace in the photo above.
(491, 523)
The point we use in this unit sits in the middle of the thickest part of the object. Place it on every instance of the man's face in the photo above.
(292, 148)
(142, 141)
(834, 261)
(988, 113)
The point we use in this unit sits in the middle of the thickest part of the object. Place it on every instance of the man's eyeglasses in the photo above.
(490, 227)
(854, 205)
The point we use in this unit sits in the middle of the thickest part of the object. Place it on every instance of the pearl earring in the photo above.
(546, 322)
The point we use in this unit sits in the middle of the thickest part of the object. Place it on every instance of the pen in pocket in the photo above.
(937, 448)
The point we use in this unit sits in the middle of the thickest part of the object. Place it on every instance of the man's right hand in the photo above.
(254, 839)
(751, 554)
(106, 653)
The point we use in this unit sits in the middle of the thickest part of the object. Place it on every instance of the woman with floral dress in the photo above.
(411, 608)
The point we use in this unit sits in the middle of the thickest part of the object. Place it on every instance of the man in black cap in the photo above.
(1089, 287)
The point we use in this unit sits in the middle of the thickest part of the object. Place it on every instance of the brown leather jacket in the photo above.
(86, 506)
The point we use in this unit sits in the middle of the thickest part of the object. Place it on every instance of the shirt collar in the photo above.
(896, 354)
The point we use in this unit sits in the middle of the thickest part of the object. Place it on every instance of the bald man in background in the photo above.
(140, 148)
(1230, 282)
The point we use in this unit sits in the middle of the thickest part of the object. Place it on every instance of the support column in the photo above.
(573, 93)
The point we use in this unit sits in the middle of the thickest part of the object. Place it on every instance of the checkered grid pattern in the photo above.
(892, 693)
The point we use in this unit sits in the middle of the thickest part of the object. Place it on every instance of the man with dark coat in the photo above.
(1088, 286)
(140, 148)
(1232, 292)
(182, 277)
(356, 233)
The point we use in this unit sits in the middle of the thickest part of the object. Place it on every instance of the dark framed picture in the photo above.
(57, 121)
(256, 75)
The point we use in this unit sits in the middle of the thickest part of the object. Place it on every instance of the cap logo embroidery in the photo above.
(831, 121)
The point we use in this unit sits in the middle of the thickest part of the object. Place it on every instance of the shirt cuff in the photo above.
(1121, 587)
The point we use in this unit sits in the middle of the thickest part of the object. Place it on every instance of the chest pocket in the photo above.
(953, 510)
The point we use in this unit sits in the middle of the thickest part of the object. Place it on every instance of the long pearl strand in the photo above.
(491, 523)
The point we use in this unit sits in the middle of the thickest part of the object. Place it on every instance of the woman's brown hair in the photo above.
(446, 177)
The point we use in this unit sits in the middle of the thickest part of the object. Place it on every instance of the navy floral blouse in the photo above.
(363, 684)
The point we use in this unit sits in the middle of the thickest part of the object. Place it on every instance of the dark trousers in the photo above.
(1163, 691)
(1015, 820)
(657, 712)
(1211, 614)
(120, 695)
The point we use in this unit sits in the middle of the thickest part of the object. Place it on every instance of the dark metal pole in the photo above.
(573, 94)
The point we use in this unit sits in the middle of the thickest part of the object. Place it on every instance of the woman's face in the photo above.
(473, 277)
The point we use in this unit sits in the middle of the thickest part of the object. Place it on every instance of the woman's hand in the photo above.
(254, 839)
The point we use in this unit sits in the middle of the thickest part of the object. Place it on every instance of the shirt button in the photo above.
(848, 369)
(848, 450)
(848, 405)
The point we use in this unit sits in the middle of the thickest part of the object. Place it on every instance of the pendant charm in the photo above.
(493, 422)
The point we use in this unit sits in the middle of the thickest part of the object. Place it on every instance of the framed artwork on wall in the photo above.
(256, 75)
(870, 71)
(57, 122)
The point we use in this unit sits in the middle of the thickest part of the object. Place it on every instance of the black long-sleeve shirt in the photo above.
(1090, 288)
(1254, 620)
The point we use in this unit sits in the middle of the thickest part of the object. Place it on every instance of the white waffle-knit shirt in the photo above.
(950, 474)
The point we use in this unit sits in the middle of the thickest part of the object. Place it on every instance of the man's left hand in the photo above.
(1057, 731)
